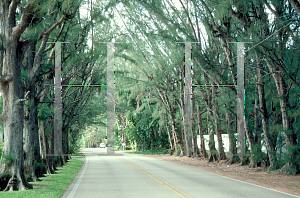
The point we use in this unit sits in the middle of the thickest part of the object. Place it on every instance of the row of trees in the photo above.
(153, 92)
(26, 82)
(150, 84)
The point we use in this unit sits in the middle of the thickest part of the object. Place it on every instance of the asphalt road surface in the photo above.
(136, 176)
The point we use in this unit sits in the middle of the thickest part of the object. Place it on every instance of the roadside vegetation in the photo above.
(52, 185)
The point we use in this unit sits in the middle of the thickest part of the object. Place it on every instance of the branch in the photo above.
(296, 5)
(24, 99)
(52, 27)
(212, 18)
(275, 12)
(24, 21)
(5, 78)
(12, 11)
(189, 19)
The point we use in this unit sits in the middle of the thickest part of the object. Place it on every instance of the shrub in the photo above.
(128, 148)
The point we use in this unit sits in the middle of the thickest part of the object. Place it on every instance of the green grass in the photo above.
(55, 184)
(77, 155)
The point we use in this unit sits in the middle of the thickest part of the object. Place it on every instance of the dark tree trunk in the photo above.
(250, 138)
(31, 110)
(232, 140)
(264, 114)
(43, 147)
(212, 148)
(50, 144)
(196, 152)
(43, 138)
(201, 130)
(256, 157)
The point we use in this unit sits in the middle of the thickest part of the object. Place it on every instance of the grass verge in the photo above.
(53, 185)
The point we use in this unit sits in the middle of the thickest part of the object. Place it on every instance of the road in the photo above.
(136, 176)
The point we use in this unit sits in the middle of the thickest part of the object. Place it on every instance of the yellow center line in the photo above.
(168, 185)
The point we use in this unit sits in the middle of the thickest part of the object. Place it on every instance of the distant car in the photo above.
(102, 145)
(109, 145)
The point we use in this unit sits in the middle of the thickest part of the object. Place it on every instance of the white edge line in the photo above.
(79, 180)
(256, 185)
(234, 179)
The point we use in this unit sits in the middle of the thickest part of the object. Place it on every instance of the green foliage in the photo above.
(128, 148)
(7, 159)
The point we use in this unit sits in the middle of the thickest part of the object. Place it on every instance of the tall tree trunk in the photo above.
(291, 166)
(49, 129)
(176, 140)
(43, 140)
(43, 147)
(257, 153)
(171, 111)
(64, 145)
(264, 115)
(31, 110)
(217, 121)
(12, 173)
(212, 148)
(201, 130)
(196, 152)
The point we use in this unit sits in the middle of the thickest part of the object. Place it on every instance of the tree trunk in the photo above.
(31, 110)
(196, 152)
(212, 148)
(64, 145)
(249, 135)
(217, 121)
(171, 140)
(264, 115)
(232, 140)
(202, 143)
(12, 173)
(43, 147)
(175, 138)
(257, 153)
(50, 143)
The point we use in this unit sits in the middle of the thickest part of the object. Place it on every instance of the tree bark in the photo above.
(12, 172)
(196, 152)
(249, 135)
(232, 140)
(200, 128)
(43, 147)
(264, 114)
(222, 155)
(31, 110)
(171, 140)
(212, 148)
(43, 140)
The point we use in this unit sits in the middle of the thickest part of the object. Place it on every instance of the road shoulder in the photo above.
(257, 176)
